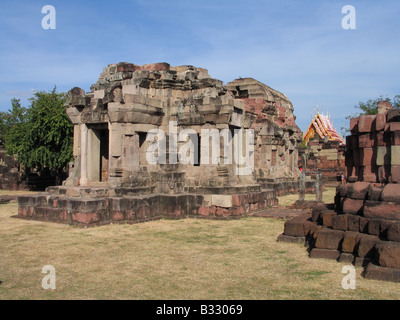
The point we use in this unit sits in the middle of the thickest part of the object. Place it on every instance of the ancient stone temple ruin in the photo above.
(364, 227)
(278, 136)
(157, 140)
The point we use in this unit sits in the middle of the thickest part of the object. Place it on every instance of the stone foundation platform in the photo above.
(283, 187)
(87, 206)
(364, 229)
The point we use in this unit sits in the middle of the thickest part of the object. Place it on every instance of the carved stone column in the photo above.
(84, 147)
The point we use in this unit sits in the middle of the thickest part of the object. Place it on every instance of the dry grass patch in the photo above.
(168, 259)
(327, 197)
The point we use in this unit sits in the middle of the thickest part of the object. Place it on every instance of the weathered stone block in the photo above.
(353, 223)
(366, 246)
(367, 157)
(382, 210)
(383, 174)
(354, 125)
(393, 115)
(327, 217)
(395, 155)
(291, 239)
(388, 254)
(393, 232)
(384, 106)
(365, 123)
(342, 189)
(117, 216)
(384, 227)
(89, 205)
(363, 224)
(381, 139)
(329, 239)
(366, 140)
(394, 126)
(224, 201)
(351, 206)
(340, 222)
(356, 157)
(297, 227)
(339, 203)
(204, 211)
(394, 174)
(350, 241)
(382, 155)
(316, 216)
(361, 262)
(358, 190)
(380, 273)
(346, 257)
(86, 217)
(374, 192)
(374, 227)
(317, 253)
(369, 177)
(395, 138)
(309, 228)
(380, 122)
(49, 214)
(222, 212)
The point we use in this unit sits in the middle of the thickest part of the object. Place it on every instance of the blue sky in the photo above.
(296, 47)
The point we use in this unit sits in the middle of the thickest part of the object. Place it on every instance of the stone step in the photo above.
(95, 192)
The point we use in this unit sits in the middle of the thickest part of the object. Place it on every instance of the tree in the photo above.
(370, 107)
(40, 136)
(13, 127)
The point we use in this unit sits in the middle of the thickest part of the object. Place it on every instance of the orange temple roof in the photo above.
(323, 127)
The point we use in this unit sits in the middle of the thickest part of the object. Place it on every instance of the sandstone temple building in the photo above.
(157, 140)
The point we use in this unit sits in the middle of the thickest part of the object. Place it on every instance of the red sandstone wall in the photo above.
(326, 158)
(373, 148)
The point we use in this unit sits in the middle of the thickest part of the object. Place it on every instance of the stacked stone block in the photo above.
(373, 148)
(97, 206)
(360, 231)
(364, 228)
(328, 158)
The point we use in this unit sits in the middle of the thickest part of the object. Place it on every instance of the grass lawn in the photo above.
(169, 259)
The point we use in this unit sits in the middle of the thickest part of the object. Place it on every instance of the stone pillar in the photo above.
(132, 153)
(84, 147)
(302, 186)
(318, 187)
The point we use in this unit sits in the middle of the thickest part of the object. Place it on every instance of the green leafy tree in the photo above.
(370, 107)
(41, 136)
(13, 127)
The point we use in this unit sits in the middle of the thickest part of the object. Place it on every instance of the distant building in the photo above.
(323, 150)
(322, 126)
